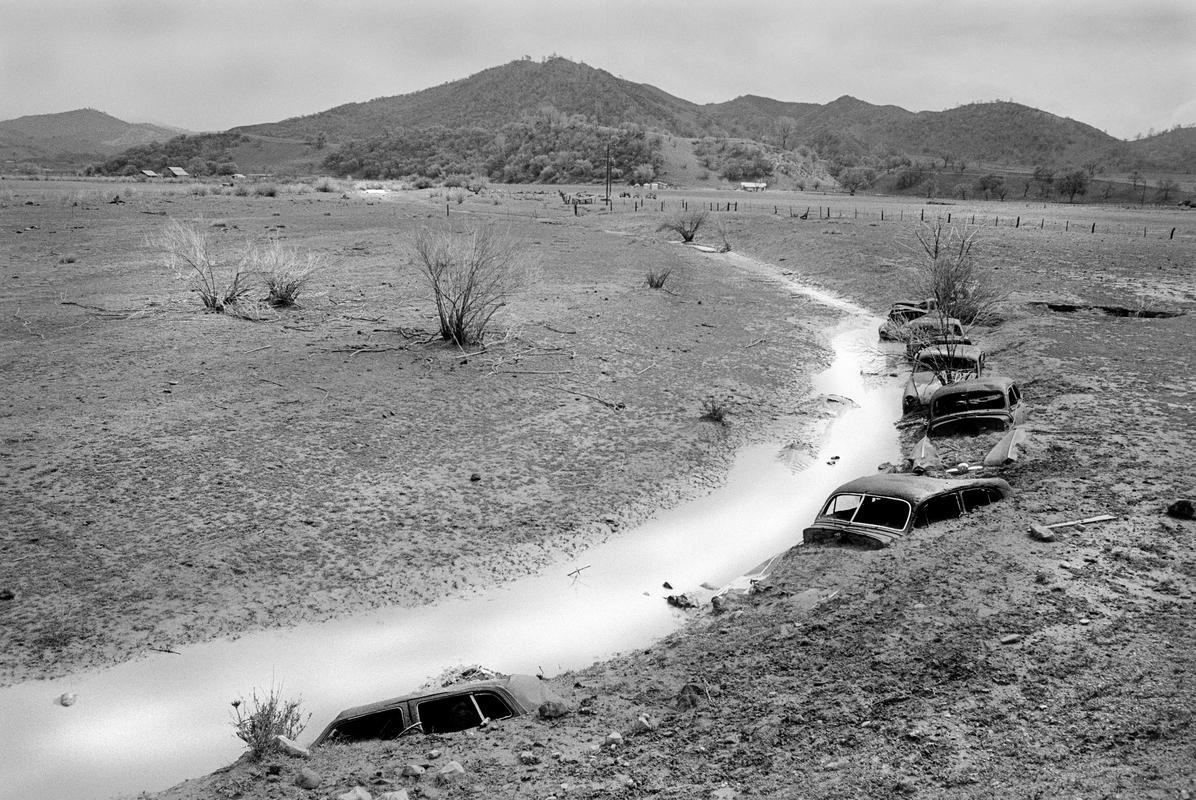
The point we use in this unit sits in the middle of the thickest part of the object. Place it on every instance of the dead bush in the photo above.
(220, 280)
(685, 224)
(263, 717)
(947, 270)
(657, 277)
(472, 274)
(714, 410)
(285, 270)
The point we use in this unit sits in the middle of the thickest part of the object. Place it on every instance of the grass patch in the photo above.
(265, 716)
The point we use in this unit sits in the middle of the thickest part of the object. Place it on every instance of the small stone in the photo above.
(681, 601)
(67, 699)
(613, 739)
(395, 794)
(433, 754)
(290, 747)
(1085, 621)
(475, 477)
(528, 758)
(552, 709)
(356, 793)
(307, 779)
(724, 793)
(412, 771)
(1182, 508)
(1011, 638)
(645, 723)
(7, 594)
(451, 771)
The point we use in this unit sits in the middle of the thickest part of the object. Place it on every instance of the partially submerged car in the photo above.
(446, 710)
(975, 406)
(877, 509)
(932, 329)
(901, 314)
(937, 366)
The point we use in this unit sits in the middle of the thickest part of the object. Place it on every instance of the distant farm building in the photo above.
(177, 172)
(149, 173)
(750, 186)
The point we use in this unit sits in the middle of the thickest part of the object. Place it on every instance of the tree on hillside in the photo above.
(1165, 188)
(1073, 183)
(989, 185)
(856, 178)
(1044, 178)
(786, 127)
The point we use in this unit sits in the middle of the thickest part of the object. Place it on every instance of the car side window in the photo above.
(492, 706)
(938, 509)
(381, 725)
(978, 496)
(1015, 396)
(448, 714)
(842, 506)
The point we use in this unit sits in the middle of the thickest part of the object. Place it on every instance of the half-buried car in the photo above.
(937, 366)
(876, 510)
(446, 710)
(972, 407)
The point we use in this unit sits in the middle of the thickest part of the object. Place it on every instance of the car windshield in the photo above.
(869, 509)
(944, 362)
(969, 401)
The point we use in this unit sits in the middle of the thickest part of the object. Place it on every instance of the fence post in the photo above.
(996, 221)
(1018, 224)
(575, 209)
(662, 205)
(1067, 225)
(882, 215)
(1094, 227)
(948, 217)
(1143, 231)
(973, 219)
(1042, 223)
(923, 215)
(1172, 236)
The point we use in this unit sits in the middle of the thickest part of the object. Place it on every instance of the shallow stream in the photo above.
(148, 724)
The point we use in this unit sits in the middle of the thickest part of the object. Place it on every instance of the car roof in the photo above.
(971, 351)
(529, 690)
(992, 383)
(934, 319)
(915, 488)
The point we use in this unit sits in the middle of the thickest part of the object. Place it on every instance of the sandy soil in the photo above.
(968, 660)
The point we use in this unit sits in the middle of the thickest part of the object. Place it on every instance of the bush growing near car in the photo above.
(471, 274)
(685, 224)
(948, 271)
(262, 718)
(265, 190)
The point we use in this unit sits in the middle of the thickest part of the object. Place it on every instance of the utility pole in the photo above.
(608, 206)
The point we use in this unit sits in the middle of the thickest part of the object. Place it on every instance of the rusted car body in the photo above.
(452, 708)
(876, 510)
(932, 329)
(971, 407)
(937, 366)
(901, 314)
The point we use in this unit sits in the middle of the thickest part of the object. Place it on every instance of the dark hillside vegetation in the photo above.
(202, 154)
(547, 148)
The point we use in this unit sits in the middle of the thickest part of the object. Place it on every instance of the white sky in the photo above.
(1123, 66)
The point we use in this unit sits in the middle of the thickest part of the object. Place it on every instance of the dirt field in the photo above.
(172, 476)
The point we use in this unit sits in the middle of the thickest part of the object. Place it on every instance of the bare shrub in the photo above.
(285, 270)
(457, 195)
(947, 270)
(725, 247)
(221, 282)
(685, 224)
(714, 410)
(657, 277)
(327, 184)
(265, 190)
(472, 275)
(263, 717)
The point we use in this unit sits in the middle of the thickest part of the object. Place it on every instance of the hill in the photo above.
(498, 96)
(472, 116)
(73, 137)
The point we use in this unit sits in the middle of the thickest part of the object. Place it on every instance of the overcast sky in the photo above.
(1124, 66)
